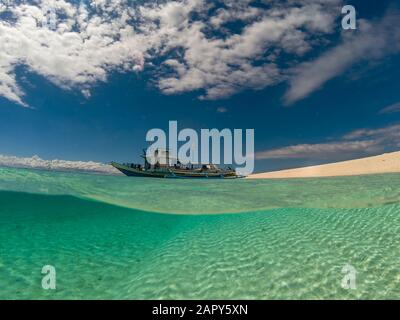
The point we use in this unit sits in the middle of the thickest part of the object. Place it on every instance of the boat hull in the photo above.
(174, 173)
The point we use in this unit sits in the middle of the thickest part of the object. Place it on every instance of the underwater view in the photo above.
(114, 237)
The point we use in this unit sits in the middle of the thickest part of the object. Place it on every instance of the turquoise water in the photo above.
(130, 238)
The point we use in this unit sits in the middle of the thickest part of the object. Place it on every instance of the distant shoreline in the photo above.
(384, 163)
(61, 170)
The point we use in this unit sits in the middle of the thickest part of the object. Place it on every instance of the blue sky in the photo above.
(313, 92)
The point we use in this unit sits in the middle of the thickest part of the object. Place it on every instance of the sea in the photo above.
(117, 237)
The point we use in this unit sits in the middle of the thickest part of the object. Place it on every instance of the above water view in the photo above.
(196, 156)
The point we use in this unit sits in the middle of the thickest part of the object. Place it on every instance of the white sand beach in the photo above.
(384, 163)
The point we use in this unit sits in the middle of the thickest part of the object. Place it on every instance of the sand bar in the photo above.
(384, 163)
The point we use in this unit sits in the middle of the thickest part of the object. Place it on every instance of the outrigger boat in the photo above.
(164, 169)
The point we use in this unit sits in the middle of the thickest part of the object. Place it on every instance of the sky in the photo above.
(85, 80)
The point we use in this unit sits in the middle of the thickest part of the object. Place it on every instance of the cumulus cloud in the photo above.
(191, 43)
(37, 163)
(214, 49)
(355, 143)
(79, 49)
(240, 60)
(372, 41)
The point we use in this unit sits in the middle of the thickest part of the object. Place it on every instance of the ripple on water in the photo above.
(187, 196)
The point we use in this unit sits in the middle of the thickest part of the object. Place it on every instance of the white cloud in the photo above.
(370, 42)
(391, 109)
(356, 143)
(222, 66)
(191, 44)
(193, 48)
(387, 134)
(38, 163)
(319, 151)
(222, 110)
(81, 51)
(86, 93)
